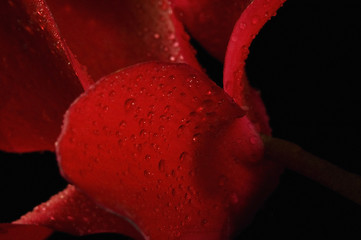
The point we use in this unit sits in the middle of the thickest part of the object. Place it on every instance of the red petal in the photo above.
(109, 35)
(164, 146)
(38, 81)
(234, 78)
(210, 22)
(72, 212)
(20, 232)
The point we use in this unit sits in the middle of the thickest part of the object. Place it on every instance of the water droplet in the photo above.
(142, 122)
(161, 165)
(180, 130)
(147, 157)
(191, 80)
(166, 109)
(184, 156)
(129, 104)
(196, 137)
(171, 36)
(122, 124)
(150, 115)
(147, 173)
(156, 35)
(139, 147)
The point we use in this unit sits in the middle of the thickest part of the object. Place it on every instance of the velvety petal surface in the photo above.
(164, 146)
(20, 232)
(210, 22)
(39, 77)
(72, 212)
(234, 77)
(109, 35)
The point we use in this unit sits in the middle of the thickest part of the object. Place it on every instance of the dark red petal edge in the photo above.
(10, 231)
(234, 77)
(109, 35)
(39, 77)
(72, 212)
(210, 22)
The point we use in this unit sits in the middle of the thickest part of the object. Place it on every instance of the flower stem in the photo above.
(327, 174)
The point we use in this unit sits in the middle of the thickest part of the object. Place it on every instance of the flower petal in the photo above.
(72, 212)
(234, 77)
(109, 35)
(210, 22)
(20, 232)
(39, 77)
(162, 142)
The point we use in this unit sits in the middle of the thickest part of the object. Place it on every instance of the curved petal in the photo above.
(20, 232)
(210, 22)
(109, 35)
(234, 77)
(148, 142)
(72, 212)
(38, 74)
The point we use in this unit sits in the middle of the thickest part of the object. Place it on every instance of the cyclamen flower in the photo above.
(155, 149)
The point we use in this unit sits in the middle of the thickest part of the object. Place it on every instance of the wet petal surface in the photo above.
(161, 141)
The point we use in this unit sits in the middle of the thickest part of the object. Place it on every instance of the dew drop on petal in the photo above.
(156, 35)
(196, 137)
(129, 104)
(183, 156)
(147, 157)
(161, 165)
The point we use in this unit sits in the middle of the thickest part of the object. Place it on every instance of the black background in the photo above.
(306, 62)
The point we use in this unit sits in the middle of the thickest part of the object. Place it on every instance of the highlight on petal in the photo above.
(109, 35)
(234, 76)
(20, 232)
(38, 74)
(72, 212)
(162, 142)
(210, 22)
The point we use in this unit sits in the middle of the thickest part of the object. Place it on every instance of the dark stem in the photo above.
(329, 175)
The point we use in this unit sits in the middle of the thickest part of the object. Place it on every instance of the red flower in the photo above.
(143, 144)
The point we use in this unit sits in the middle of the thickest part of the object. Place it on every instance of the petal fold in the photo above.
(72, 212)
